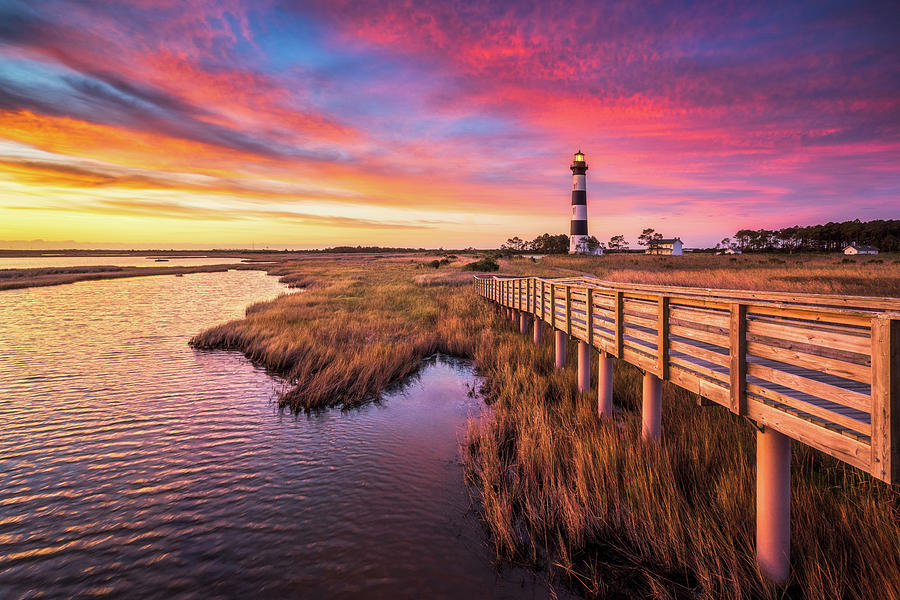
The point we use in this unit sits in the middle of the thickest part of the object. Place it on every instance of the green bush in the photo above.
(485, 264)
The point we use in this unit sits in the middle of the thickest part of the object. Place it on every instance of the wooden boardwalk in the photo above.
(821, 369)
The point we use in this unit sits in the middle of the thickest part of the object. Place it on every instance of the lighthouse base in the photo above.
(578, 245)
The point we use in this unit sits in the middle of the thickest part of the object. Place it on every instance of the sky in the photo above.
(437, 123)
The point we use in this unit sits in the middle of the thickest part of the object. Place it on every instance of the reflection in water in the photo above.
(32, 262)
(133, 466)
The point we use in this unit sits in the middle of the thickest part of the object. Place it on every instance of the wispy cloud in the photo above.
(766, 111)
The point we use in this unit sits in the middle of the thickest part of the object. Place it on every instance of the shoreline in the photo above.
(51, 276)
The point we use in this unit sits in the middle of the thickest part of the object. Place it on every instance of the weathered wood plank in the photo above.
(849, 343)
(825, 391)
(830, 442)
(708, 355)
(698, 335)
(704, 317)
(834, 317)
(650, 338)
(639, 359)
(704, 387)
(824, 364)
(632, 319)
(708, 372)
(812, 408)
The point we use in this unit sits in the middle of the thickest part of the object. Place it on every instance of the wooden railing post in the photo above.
(619, 324)
(886, 398)
(543, 304)
(553, 305)
(568, 310)
(662, 338)
(589, 316)
(737, 336)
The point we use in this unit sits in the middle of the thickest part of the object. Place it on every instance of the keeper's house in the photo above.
(860, 249)
(671, 246)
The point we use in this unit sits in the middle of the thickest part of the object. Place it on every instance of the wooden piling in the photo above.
(651, 411)
(605, 385)
(773, 504)
(584, 366)
(560, 348)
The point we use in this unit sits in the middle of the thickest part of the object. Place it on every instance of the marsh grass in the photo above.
(559, 488)
(616, 517)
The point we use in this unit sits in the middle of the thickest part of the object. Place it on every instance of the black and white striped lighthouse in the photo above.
(579, 233)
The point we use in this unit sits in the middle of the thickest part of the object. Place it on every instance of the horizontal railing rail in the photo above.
(821, 369)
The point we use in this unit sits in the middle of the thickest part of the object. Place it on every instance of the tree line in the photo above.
(559, 244)
(830, 237)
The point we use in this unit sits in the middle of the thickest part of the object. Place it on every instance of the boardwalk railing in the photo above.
(821, 369)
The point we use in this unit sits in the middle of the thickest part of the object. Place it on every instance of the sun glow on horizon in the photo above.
(331, 123)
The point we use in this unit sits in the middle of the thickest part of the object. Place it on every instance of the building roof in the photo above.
(861, 247)
(667, 241)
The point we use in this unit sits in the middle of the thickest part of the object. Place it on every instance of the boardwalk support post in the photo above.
(538, 331)
(605, 385)
(651, 413)
(560, 347)
(773, 504)
(523, 321)
(584, 366)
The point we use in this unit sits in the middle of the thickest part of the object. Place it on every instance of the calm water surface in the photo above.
(133, 466)
(31, 262)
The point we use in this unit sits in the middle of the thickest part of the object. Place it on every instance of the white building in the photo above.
(860, 249)
(671, 246)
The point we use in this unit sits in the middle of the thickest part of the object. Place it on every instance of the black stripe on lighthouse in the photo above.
(579, 197)
(579, 228)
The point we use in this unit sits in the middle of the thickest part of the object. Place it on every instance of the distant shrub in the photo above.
(847, 261)
(485, 264)
(435, 263)
(733, 259)
(874, 261)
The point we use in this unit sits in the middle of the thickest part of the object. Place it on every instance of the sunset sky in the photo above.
(439, 123)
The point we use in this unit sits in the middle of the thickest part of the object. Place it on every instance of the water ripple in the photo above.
(131, 465)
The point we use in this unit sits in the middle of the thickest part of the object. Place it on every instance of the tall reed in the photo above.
(606, 513)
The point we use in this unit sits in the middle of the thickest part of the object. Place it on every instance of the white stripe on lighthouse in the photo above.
(579, 212)
(578, 183)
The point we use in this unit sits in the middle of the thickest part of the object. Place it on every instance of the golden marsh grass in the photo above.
(558, 487)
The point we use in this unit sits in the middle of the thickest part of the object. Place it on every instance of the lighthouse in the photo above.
(579, 232)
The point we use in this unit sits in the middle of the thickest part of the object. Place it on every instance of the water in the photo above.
(134, 466)
(33, 262)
